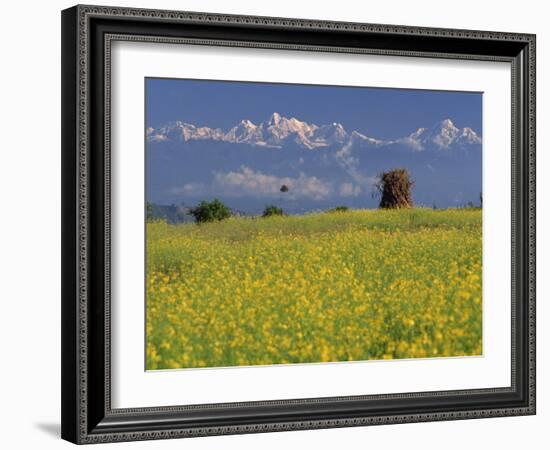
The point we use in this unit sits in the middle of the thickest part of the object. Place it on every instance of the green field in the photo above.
(356, 285)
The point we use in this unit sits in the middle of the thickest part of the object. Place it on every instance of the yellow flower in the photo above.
(315, 288)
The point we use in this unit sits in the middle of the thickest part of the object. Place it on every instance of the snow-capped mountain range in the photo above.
(279, 131)
(323, 165)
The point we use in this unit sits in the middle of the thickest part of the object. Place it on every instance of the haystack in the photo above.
(395, 188)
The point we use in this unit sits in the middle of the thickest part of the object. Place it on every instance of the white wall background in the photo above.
(30, 225)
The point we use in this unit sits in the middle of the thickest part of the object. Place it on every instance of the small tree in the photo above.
(210, 211)
(283, 189)
(395, 188)
(272, 210)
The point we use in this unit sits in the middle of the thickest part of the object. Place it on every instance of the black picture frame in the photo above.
(87, 415)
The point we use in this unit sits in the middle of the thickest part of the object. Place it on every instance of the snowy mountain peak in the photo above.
(274, 119)
(245, 132)
(330, 134)
(418, 133)
(442, 135)
(469, 136)
(447, 124)
(247, 123)
(278, 130)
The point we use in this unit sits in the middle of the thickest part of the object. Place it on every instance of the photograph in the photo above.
(296, 223)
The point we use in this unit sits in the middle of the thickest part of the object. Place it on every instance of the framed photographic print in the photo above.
(281, 224)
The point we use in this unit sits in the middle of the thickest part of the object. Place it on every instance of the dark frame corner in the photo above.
(87, 416)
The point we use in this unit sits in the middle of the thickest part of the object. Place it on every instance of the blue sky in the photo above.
(247, 177)
(379, 112)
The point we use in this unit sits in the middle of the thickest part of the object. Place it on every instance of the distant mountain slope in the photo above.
(323, 165)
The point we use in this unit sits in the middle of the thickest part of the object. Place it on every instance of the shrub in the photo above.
(210, 211)
(149, 212)
(338, 209)
(272, 210)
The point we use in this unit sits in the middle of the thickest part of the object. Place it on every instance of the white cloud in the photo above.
(346, 160)
(250, 182)
(189, 188)
(349, 190)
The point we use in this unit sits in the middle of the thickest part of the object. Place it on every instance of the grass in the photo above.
(354, 285)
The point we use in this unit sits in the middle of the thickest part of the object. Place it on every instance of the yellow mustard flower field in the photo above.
(323, 287)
